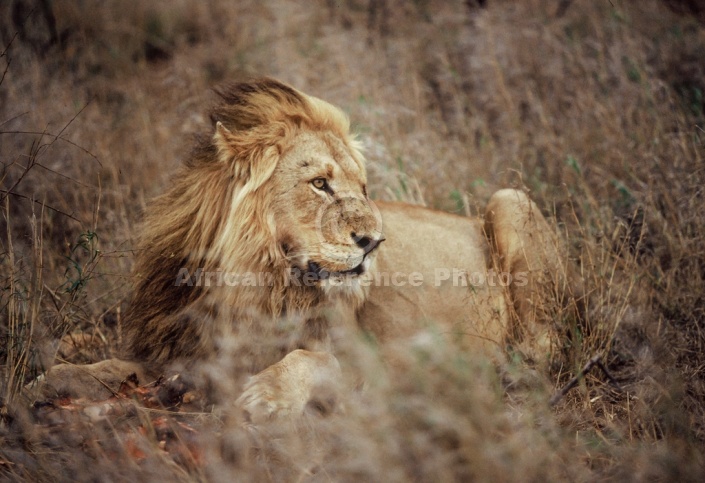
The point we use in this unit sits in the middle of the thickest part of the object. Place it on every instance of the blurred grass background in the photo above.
(596, 108)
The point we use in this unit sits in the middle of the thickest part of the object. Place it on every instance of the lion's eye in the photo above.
(320, 184)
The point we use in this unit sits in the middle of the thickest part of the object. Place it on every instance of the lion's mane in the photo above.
(215, 218)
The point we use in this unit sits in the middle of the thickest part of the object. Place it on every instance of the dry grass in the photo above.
(599, 113)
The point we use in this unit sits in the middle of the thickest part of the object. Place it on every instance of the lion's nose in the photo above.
(366, 243)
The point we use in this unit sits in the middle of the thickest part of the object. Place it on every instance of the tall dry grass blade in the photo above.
(23, 309)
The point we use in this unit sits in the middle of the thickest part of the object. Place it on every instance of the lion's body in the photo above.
(278, 191)
(429, 271)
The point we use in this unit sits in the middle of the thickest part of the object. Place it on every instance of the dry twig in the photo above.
(594, 361)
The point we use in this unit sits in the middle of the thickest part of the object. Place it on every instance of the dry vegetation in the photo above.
(596, 108)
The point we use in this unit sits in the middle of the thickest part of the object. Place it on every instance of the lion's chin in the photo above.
(317, 273)
(321, 273)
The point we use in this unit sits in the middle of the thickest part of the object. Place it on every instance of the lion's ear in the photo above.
(223, 140)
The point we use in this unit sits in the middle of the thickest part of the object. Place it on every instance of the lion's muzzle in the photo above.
(314, 271)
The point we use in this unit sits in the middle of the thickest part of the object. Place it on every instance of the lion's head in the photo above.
(277, 189)
(301, 179)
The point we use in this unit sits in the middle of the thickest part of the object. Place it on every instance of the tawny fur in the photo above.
(217, 216)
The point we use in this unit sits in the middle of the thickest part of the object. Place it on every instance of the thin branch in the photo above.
(594, 361)
(7, 67)
(38, 149)
(32, 158)
(53, 171)
(57, 137)
(69, 178)
(56, 210)
(45, 147)
(13, 118)
(609, 376)
(9, 44)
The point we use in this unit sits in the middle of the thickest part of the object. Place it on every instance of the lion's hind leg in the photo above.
(527, 248)
(94, 382)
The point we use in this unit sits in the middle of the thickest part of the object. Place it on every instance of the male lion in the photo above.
(267, 237)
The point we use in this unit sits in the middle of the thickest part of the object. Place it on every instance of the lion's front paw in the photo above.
(303, 381)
